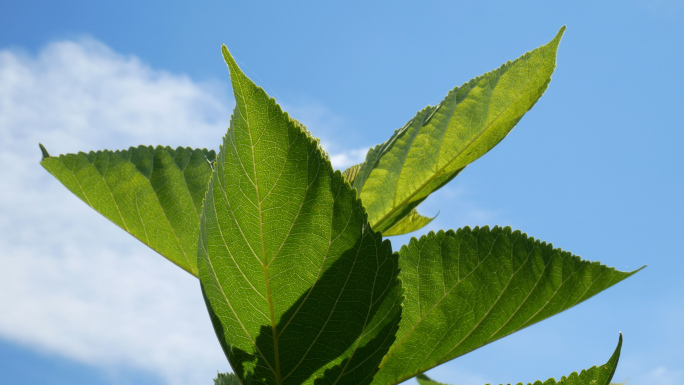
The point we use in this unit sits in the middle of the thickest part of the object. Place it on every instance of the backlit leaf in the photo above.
(155, 194)
(350, 173)
(411, 222)
(226, 379)
(425, 380)
(298, 286)
(467, 288)
(434, 146)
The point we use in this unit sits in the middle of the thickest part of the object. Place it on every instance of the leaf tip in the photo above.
(230, 61)
(226, 54)
(556, 39)
(562, 30)
(616, 354)
(631, 273)
(43, 151)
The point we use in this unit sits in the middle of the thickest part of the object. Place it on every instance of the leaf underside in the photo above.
(155, 194)
(434, 146)
(298, 286)
(467, 288)
(411, 222)
(596, 375)
(422, 380)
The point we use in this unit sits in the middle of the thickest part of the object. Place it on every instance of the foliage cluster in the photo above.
(299, 282)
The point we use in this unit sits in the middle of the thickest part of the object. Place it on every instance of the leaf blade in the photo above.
(295, 281)
(468, 288)
(434, 146)
(155, 194)
(350, 173)
(226, 379)
(411, 222)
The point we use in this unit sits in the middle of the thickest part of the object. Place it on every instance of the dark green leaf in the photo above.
(226, 379)
(425, 380)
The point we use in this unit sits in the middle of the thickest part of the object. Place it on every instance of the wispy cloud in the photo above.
(72, 283)
(329, 126)
(342, 160)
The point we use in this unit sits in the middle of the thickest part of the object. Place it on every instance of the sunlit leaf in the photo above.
(155, 194)
(425, 380)
(297, 284)
(226, 379)
(467, 288)
(411, 222)
(434, 146)
(350, 173)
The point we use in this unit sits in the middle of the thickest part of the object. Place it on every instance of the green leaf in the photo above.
(226, 379)
(425, 380)
(350, 173)
(155, 194)
(434, 146)
(594, 376)
(298, 286)
(412, 222)
(468, 288)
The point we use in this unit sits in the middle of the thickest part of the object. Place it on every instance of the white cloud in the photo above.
(72, 283)
(342, 160)
(329, 126)
(103, 99)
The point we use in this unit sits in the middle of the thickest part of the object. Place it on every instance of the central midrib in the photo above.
(264, 262)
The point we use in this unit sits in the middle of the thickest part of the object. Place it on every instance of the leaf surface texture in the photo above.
(434, 146)
(411, 222)
(226, 379)
(298, 286)
(467, 288)
(155, 194)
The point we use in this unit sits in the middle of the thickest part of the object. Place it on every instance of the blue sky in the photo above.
(595, 167)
